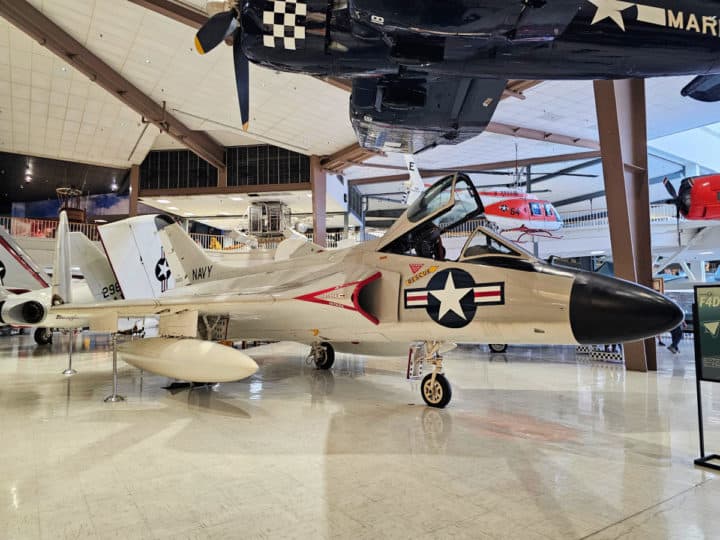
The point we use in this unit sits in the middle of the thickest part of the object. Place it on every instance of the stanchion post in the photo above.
(114, 396)
(69, 372)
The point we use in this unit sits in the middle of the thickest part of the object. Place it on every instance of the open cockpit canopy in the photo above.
(443, 208)
(448, 203)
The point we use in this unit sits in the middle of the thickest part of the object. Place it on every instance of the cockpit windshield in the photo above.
(457, 190)
(482, 243)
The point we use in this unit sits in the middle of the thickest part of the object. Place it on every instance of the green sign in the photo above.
(707, 331)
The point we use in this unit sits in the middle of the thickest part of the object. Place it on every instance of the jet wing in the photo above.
(414, 111)
(335, 297)
(221, 303)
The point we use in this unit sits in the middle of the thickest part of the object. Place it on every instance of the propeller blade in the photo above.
(215, 30)
(242, 80)
(670, 189)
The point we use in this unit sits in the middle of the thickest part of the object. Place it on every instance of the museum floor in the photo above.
(535, 445)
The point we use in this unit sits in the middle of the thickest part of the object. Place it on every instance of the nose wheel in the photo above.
(434, 388)
(322, 355)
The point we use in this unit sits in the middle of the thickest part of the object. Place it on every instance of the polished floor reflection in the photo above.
(536, 444)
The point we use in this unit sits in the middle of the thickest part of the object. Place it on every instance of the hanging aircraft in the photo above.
(374, 298)
(699, 196)
(432, 72)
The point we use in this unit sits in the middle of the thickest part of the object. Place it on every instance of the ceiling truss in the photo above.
(31, 21)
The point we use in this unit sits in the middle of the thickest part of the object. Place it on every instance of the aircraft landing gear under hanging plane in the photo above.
(434, 388)
(322, 354)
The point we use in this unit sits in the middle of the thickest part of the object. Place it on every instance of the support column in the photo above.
(623, 145)
(318, 183)
(222, 177)
(134, 190)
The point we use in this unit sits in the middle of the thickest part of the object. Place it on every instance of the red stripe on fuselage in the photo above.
(485, 294)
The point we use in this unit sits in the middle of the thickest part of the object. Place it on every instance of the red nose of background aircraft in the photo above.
(698, 198)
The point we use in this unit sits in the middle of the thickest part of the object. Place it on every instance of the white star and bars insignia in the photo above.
(619, 11)
(451, 297)
(483, 294)
(284, 24)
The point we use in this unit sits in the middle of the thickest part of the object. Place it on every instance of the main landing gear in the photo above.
(43, 336)
(322, 354)
(434, 388)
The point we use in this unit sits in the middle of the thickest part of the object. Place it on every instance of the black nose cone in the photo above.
(609, 310)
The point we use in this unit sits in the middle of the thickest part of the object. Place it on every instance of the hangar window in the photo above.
(535, 209)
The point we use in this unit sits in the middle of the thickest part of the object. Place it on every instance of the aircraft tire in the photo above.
(327, 357)
(437, 395)
(497, 347)
(43, 336)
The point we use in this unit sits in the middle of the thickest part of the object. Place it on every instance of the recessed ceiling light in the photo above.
(28, 178)
(100, 220)
(147, 60)
(706, 253)
(162, 201)
(309, 195)
(236, 198)
(64, 68)
(601, 252)
(172, 208)
(188, 214)
(223, 213)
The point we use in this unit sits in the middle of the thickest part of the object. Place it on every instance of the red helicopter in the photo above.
(699, 196)
(517, 211)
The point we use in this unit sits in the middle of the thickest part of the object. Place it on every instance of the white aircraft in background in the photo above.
(374, 298)
(18, 272)
(32, 307)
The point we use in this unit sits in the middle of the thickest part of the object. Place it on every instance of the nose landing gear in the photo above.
(434, 388)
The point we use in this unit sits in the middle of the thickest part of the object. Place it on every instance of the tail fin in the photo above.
(137, 257)
(187, 260)
(17, 269)
(415, 186)
(95, 267)
(62, 266)
(152, 254)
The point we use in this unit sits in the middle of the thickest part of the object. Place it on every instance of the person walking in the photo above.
(676, 334)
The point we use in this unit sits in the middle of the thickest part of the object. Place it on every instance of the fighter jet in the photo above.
(433, 71)
(375, 298)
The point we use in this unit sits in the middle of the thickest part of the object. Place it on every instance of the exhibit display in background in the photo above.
(707, 328)
(106, 204)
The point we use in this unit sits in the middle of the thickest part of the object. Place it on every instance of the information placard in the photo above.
(707, 332)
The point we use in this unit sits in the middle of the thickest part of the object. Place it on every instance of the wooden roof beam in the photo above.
(353, 154)
(35, 24)
(481, 167)
(178, 12)
(538, 135)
